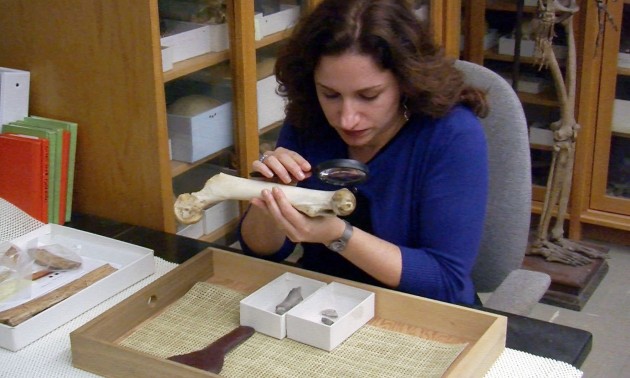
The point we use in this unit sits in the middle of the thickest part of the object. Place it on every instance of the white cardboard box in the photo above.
(270, 104)
(541, 136)
(167, 58)
(258, 310)
(277, 22)
(193, 138)
(133, 263)
(354, 307)
(187, 39)
(621, 116)
(194, 231)
(219, 214)
(623, 60)
(14, 95)
(528, 84)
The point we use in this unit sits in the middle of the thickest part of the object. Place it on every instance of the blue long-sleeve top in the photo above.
(426, 193)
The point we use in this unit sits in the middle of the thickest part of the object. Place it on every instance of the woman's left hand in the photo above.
(287, 165)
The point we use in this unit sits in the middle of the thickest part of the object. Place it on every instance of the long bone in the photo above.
(189, 207)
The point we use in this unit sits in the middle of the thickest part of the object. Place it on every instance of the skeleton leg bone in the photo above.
(189, 206)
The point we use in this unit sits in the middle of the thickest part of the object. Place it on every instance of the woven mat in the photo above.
(207, 312)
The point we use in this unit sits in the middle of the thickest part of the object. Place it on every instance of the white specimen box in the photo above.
(354, 307)
(194, 231)
(621, 116)
(167, 58)
(528, 84)
(276, 22)
(541, 136)
(187, 39)
(219, 37)
(194, 138)
(258, 310)
(219, 214)
(14, 94)
(623, 60)
(132, 262)
(270, 104)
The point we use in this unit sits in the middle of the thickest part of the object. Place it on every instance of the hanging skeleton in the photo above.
(551, 244)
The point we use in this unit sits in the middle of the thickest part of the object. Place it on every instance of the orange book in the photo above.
(24, 173)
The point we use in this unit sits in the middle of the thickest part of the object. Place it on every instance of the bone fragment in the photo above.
(293, 298)
(189, 206)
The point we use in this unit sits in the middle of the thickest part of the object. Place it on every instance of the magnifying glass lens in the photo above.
(342, 172)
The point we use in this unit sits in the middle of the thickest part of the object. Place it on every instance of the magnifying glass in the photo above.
(338, 172)
(342, 172)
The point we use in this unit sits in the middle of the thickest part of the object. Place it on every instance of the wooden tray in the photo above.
(95, 346)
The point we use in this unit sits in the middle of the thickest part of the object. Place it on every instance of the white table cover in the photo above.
(51, 357)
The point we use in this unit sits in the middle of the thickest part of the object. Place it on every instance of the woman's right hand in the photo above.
(286, 165)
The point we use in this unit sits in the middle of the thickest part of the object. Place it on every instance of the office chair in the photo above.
(497, 270)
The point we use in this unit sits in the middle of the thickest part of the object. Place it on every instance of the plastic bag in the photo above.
(16, 269)
(55, 257)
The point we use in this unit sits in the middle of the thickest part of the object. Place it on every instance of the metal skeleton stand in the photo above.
(552, 245)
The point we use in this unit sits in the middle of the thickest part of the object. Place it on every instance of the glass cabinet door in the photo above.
(611, 169)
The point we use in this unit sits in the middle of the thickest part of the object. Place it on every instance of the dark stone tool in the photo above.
(211, 357)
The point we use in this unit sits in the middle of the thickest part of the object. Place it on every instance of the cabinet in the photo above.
(601, 150)
(605, 189)
(98, 63)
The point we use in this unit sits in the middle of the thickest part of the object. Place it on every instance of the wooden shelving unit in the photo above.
(99, 64)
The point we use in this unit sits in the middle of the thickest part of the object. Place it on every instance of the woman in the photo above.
(364, 81)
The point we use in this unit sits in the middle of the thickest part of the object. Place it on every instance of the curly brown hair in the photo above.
(389, 32)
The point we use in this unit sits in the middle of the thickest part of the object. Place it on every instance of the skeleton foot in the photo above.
(555, 253)
(580, 248)
(189, 207)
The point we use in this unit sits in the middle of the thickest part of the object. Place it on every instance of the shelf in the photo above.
(623, 71)
(542, 147)
(179, 167)
(195, 64)
(546, 98)
(621, 134)
(273, 38)
(507, 6)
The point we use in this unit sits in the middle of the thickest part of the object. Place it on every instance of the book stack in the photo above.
(37, 159)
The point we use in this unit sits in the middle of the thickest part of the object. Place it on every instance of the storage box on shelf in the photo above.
(270, 104)
(132, 263)
(189, 39)
(621, 117)
(284, 18)
(196, 137)
(529, 84)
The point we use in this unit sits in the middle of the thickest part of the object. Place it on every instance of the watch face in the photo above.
(337, 245)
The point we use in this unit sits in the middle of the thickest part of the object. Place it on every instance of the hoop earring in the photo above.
(406, 113)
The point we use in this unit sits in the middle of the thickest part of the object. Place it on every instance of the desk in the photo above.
(534, 348)
(554, 341)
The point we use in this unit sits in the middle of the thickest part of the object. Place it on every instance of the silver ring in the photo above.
(263, 157)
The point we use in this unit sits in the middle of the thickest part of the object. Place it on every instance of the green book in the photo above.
(72, 127)
(54, 159)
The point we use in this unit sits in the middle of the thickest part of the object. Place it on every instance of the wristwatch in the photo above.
(338, 245)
